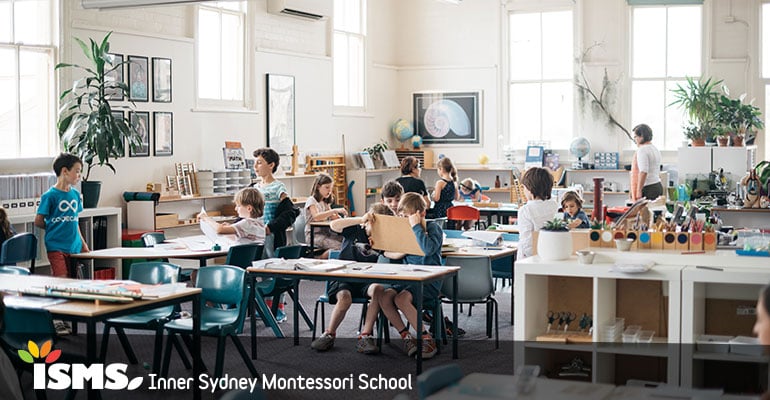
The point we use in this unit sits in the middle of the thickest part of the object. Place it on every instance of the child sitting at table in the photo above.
(355, 246)
(539, 208)
(318, 208)
(572, 205)
(470, 190)
(400, 297)
(250, 205)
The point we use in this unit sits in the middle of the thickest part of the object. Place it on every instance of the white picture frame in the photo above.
(366, 159)
(390, 158)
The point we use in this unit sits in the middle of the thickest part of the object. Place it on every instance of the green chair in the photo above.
(224, 299)
(324, 299)
(13, 270)
(150, 239)
(150, 273)
(242, 255)
(19, 248)
(274, 287)
(437, 378)
(474, 286)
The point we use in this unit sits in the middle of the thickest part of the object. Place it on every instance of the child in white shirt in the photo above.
(539, 209)
(249, 204)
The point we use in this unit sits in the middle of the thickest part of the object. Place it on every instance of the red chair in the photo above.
(463, 213)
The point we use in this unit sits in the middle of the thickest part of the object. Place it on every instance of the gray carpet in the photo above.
(281, 358)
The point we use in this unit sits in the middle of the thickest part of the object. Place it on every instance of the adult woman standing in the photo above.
(410, 178)
(645, 168)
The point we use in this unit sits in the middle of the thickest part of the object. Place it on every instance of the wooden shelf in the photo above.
(497, 190)
(598, 170)
(216, 196)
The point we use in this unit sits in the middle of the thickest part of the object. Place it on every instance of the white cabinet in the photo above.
(616, 185)
(100, 228)
(700, 161)
(368, 186)
(174, 213)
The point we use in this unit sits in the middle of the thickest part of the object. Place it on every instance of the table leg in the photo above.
(91, 354)
(196, 350)
(312, 240)
(454, 318)
(295, 297)
(418, 328)
(252, 310)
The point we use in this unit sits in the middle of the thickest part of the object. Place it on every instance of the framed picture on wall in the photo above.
(161, 80)
(119, 115)
(115, 74)
(280, 113)
(163, 124)
(137, 78)
(447, 117)
(141, 120)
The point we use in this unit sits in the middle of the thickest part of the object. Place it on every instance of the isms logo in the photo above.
(52, 375)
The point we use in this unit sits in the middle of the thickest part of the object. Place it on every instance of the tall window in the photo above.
(540, 74)
(765, 43)
(220, 41)
(27, 98)
(349, 50)
(665, 48)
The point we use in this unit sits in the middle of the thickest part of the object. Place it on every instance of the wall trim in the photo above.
(443, 67)
(291, 53)
(91, 27)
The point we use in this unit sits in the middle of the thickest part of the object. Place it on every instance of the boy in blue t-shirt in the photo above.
(400, 297)
(58, 213)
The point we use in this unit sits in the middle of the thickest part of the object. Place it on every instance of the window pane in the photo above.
(231, 57)
(557, 45)
(341, 66)
(347, 16)
(5, 21)
(766, 41)
(33, 21)
(208, 54)
(8, 129)
(525, 46)
(675, 119)
(684, 41)
(524, 113)
(647, 100)
(557, 113)
(356, 77)
(649, 42)
(238, 6)
(35, 90)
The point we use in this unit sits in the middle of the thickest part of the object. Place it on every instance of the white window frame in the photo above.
(667, 79)
(764, 59)
(243, 104)
(52, 49)
(362, 36)
(536, 7)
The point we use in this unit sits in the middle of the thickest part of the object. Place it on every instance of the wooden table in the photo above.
(417, 275)
(90, 313)
(127, 253)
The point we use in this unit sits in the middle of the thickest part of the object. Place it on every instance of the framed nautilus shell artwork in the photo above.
(447, 117)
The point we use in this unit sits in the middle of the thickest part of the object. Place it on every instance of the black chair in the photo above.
(19, 248)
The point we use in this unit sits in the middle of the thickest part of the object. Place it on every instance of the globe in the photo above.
(580, 147)
(416, 141)
(483, 159)
(402, 130)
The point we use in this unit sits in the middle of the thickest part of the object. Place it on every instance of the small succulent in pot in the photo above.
(556, 225)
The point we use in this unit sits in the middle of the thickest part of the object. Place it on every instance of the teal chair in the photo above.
(13, 270)
(242, 255)
(150, 239)
(151, 273)
(19, 248)
(275, 287)
(503, 267)
(437, 378)
(454, 234)
(224, 299)
(324, 299)
(474, 286)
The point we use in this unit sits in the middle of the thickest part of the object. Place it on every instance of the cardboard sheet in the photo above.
(394, 234)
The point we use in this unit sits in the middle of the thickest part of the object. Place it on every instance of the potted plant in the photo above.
(698, 99)
(746, 121)
(554, 242)
(376, 152)
(695, 134)
(86, 125)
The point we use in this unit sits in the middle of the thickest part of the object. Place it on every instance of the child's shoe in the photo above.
(367, 345)
(62, 328)
(323, 343)
(280, 316)
(410, 345)
(429, 348)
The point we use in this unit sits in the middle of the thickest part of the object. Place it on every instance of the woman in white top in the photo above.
(318, 208)
(645, 169)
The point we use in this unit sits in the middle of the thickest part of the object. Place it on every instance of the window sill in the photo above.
(352, 114)
(223, 110)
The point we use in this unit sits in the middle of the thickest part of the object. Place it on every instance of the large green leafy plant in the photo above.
(86, 125)
(698, 98)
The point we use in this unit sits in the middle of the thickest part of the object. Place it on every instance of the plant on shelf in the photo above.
(86, 125)
(698, 99)
(554, 242)
(695, 134)
(556, 225)
(741, 119)
(376, 150)
(763, 174)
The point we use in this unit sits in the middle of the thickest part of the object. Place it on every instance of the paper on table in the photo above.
(493, 238)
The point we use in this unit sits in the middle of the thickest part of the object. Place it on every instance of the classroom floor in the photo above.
(280, 358)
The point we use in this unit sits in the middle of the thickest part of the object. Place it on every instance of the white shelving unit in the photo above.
(620, 178)
(113, 216)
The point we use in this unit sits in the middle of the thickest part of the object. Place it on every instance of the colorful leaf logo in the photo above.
(33, 352)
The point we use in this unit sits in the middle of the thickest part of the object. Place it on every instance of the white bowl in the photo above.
(585, 256)
(623, 244)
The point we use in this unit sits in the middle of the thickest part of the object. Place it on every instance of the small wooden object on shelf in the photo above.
(294, 161)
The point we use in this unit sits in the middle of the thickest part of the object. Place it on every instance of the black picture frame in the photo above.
(161, 80)
(141, 120)
(138, 78)
(116, 75)
(447, 117)
(163, 129)
(280, 113)
(120, 115)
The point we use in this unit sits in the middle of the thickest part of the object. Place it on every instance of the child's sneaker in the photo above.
(367, 345)
(280, 316)
(429, 348)
(323, 343)
(62, 328)
(449, 325)
(410, 345)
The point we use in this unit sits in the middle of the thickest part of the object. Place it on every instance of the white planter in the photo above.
(554, 246)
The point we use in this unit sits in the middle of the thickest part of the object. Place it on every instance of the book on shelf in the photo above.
(366, 159)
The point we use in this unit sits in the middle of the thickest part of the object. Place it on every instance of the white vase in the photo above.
(554, 245)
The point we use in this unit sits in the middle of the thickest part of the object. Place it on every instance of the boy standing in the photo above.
(539, 209)
(397, 297)
(58, 216)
